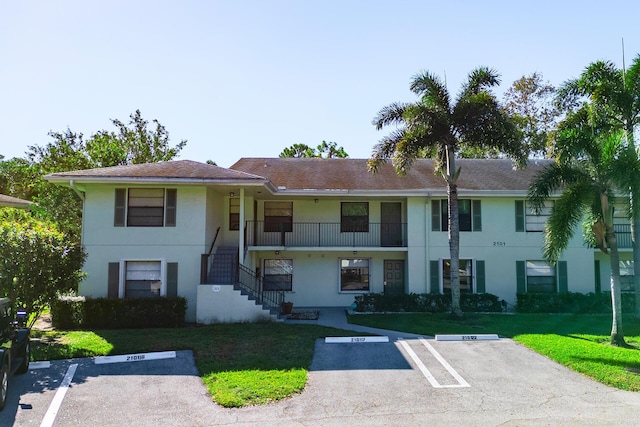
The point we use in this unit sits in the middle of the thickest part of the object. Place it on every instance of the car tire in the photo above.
(4, 384)
(24, 366)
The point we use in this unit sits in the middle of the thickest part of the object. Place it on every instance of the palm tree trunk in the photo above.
(454, 232)
(617, 336)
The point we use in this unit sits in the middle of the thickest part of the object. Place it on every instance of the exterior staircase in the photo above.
(225, 269)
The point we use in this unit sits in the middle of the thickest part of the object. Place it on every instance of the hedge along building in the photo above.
(316, 232)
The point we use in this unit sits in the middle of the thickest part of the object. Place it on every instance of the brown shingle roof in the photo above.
(352, 174)
(179, 169)
(14, 202)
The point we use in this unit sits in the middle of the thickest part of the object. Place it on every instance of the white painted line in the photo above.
(347, 340)
(135, 357)
(420, 365)
(447, 366)
(40, 365)
(50, 416)
(479, 337)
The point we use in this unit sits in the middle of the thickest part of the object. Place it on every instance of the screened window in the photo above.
(536, 222)
(145, 207)
(278, 275)
(278, 216)
(354, 274)
(469, 215)
(354, 217)
(626, 276)
(234, 213)
(541, 277)
(142, 279)
(466, 275)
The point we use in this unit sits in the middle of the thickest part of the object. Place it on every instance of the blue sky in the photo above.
(248, 78)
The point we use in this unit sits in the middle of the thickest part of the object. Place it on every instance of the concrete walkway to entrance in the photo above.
(336, 317)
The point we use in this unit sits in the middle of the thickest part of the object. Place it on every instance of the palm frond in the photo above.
(482, 79)
(390, 114)
(431, 90)
(384, 150)
(568, 211)
(552, 178)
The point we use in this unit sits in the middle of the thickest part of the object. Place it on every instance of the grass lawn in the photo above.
(241, 364)
(580, 342)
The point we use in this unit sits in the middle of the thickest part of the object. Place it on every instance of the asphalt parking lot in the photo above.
(401, 382)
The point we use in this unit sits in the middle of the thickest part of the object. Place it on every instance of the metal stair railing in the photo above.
(249, 282)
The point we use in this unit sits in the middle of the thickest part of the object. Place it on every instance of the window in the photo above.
(354, 274)
(541, 277)
(145, 207)
(234, 213)
(354, 217)
(278, 275)
(626, 276)
(528, 220)
(466, 276)
(469, 215)
(142, 279)
(278, 216)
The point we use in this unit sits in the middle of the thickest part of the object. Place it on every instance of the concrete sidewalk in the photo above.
(336, 317)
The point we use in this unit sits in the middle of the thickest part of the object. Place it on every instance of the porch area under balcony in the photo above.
(325, 235)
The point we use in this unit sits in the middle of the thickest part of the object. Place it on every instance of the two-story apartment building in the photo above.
(316, 232)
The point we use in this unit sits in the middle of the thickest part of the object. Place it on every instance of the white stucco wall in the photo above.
(223, 304)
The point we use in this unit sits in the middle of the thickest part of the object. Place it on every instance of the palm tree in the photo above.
(438, 124)
(587, 172)
(614, 104)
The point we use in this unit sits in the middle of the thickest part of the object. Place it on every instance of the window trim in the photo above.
(473, 274)
(121, 217)
(354, 291)
(264, 274)
(440, 215)
(123, 274)
(348, 223)
(269, 227)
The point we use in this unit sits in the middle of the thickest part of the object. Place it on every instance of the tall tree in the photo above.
(530, 101)
(326, 150)
(610, 97)
(587, 173)
(437, 123)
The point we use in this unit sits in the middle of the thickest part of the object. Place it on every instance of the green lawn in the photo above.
(578, 341)
(247, 364)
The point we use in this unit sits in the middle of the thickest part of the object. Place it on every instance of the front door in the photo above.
(393, 277)
(391, 224)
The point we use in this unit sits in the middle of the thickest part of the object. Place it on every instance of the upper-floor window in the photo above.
(469, 215)
(145, 207)
(354, 217)
(528, 220)
(278, 216)
(234, 213)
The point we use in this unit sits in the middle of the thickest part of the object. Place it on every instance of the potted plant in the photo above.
(286, 307)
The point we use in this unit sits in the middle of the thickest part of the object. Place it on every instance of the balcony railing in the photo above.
(623, 235)
(323, 234)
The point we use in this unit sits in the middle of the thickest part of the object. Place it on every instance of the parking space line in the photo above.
(50, 416)
(40, 365)
(447, 366)
(420, 365)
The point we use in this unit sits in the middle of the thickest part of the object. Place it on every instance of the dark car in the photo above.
(15, 350)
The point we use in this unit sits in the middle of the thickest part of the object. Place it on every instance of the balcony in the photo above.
(323, 234)
(623, 236)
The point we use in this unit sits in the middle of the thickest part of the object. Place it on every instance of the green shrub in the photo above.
(128, 313)
(426, 303)
(571, 302)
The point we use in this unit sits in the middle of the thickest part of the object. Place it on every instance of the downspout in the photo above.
(427, 263)
(72, 184)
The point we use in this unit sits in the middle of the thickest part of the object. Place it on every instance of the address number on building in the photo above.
(499, 243)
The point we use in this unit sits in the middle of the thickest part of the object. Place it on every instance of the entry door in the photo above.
(394, 277)
(391, 224)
